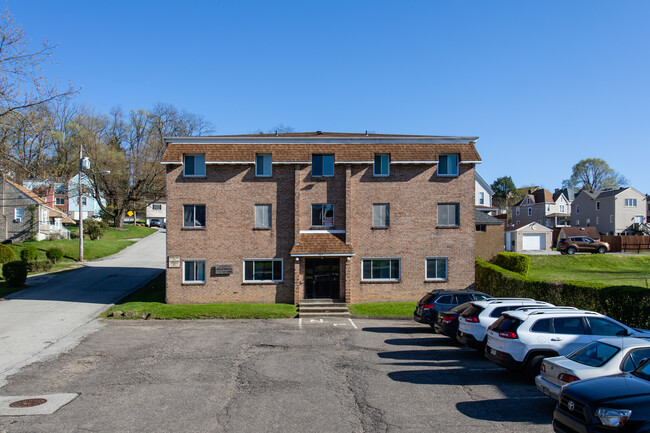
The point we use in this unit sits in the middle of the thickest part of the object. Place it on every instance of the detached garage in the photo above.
(529, 237)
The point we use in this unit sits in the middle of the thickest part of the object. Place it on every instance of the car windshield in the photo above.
(595, 354)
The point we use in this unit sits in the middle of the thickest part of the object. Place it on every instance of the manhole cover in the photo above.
(30, 402)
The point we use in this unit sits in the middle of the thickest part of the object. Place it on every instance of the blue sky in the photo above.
(542, 83)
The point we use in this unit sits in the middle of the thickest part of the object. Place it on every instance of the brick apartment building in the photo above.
(285, 217)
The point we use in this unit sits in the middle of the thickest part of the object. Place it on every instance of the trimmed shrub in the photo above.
(627, 304)
(54, 254)
(93, 229)
(39, 265)
(6, 254)
(29, 253)
(513, 262)
(15, 273)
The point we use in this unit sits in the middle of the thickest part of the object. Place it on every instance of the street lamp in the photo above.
(83, 163)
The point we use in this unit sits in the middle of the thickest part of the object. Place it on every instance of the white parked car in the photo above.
(474, 321)
(520, 340)
(602, 357)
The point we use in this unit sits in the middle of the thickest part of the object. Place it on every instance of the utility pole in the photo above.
(81, 220)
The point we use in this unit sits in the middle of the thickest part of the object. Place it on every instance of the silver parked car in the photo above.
(602, 357)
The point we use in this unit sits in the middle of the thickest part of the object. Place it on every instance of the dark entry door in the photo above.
(322, 278)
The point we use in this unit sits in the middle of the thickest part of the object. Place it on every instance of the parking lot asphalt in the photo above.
(291, 375)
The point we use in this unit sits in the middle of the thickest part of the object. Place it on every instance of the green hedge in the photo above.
(627, 304)
(514, 262)
(15, 273)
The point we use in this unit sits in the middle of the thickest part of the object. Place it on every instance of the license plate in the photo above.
(546, 391)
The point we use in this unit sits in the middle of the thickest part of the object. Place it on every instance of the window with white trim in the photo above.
(194, 271)
(380, 269)
(561, 208)
(382, 164)
(630, 202)
(577, 208)
(18, 214)
(322, 215)
(448, 165)
(448, 214)
(597, 205)
(436, 268)
(156, 207)
(263, 216)
(481, 197)
(262, 270)
(84, 201)
(322, 165)
(530, 211)
(194, 215)
(59, 201)
(381, 215)
(517, 210)
(194, 165)
(611, 219)
(263, 167)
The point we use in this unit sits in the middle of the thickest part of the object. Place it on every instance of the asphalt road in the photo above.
(57, 310)
(289, 375)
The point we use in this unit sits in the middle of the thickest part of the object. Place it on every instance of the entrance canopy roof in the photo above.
(322, 245)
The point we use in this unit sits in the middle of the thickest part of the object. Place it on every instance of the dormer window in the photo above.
(382, 164)
(448, 165)
(322, 165)
(194, 165)
(263, 165)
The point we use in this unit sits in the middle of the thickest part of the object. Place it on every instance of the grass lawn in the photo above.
(383, 309)
(151, 300)
(611, 269)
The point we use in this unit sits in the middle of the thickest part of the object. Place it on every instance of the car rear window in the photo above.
(594, 354)
(445, 300)
(427, 298)
(460, 308)
(543, 326)
(472, 311)
(497, 312)
(506, 324)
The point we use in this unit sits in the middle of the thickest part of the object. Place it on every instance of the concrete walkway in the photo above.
(57, 311)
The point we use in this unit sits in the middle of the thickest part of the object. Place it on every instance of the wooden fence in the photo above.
(627, 244)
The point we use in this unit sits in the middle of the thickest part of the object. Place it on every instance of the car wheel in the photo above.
(602, 250)
(571, 251)
(532, 366)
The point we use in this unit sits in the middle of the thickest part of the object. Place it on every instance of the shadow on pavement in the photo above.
(399, 330)
(532, 410)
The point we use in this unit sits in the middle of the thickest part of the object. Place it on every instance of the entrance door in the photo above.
(322, 278)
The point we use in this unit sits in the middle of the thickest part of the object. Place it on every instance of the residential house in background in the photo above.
(25, 215)
(543, 207)
(483, 196)
(289, 217)
(89, 206)
(621, 211)
(54, 193)
(529, 237)
(157, 209)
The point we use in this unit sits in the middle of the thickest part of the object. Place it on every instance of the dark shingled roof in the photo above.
(483, 218)
(322, 243)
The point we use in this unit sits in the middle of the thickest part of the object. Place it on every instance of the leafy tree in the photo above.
(594, 174)
(505, 192)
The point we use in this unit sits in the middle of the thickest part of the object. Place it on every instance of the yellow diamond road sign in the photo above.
(130, 213)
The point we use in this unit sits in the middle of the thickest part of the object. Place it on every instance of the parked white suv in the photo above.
(474, 321)
(520, 340)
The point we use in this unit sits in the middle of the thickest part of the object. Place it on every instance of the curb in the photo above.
(355, 316)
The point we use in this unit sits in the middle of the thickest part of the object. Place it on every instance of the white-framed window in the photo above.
(262, 270)
(59, 201)
(84, 201)
(630, 202)
(517, 222)
(322, 215)
(263, 216)
(448, 165)
(577, 222)
(517, 210)
(194, 165)
(156, 206)
(18, 214)
(611, 219)
(597, 205)
(588, 221)
(322, 165)
(448, 214)
(548, 208)
(44, 216)
(381, 215)
(638, 219)
(263, 165)
(561, 208)
(194, 271)
(530, 211)
(382, 164)
(380, 269)
(194, 215)
(577, 208)
(436, 269)
(481, 197)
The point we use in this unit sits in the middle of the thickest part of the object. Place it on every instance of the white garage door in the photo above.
(534, 242)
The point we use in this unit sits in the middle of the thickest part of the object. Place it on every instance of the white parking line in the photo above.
(300, 323)
(355, 326)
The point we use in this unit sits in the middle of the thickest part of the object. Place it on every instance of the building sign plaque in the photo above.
(222, 270)
(174, 261)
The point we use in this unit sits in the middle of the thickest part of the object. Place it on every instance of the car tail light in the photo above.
(428, 306)
(471, 319)
(507, 334)
(542, 368)
(448, 319)
(568, 378)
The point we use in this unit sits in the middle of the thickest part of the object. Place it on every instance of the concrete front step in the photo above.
(320, 314)
(320, 301)
(324, 310)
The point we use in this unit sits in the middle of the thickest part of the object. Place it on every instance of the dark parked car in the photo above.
(155, 222)
(447, 323)
(581, 244)
(436, 301)
(618, 403)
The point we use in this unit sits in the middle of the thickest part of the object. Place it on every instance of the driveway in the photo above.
(288, 375)
(57, 310)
